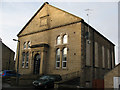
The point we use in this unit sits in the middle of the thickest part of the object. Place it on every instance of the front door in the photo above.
(36, 64)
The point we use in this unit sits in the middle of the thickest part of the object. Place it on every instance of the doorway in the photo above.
(37, 59)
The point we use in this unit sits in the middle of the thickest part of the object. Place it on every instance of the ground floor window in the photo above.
(64, 57)
(27, 59)
(23, 59)
(61, 60)
(57, 58)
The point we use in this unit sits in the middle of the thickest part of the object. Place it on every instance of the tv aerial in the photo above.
(88, 31)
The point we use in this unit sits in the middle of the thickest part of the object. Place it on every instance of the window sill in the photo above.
(57, 68)
(64, 68)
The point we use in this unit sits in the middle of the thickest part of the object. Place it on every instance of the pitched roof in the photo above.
(32, 18)
(37, 13)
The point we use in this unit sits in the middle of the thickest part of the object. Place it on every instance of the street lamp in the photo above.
(17, 79)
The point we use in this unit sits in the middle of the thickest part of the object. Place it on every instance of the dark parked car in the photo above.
(46, 81)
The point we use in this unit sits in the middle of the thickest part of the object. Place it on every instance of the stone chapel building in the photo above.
(57, 42)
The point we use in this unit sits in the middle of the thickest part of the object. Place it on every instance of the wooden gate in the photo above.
(98, 83)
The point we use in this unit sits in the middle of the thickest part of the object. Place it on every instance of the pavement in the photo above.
(6, 85)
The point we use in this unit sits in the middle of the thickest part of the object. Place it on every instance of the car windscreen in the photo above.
(43, 78)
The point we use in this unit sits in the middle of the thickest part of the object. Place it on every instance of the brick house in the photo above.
(57, 42)
(112, 78)
(7, 58)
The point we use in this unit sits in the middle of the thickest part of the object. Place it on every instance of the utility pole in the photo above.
(17, 79)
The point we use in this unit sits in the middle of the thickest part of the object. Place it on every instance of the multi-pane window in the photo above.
(65, 39)
(103, 57)
(23, 59)
(58, 40)
(27, 60)
(87, 54)
(64, 58)
(25, 44)
(96, 54)
(57, 58)
(28, 44)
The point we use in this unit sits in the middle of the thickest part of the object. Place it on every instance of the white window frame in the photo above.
(58, 40)
(28, 44)
(64, 61)
(23, 60)
(27, 60)
(57, 56)
(25, 45)
(65, 39)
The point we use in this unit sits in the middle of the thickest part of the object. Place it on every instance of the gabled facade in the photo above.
(57, 42)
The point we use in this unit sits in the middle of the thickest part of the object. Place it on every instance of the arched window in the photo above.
(28, 44)
(65, 39)
(57, 58)
(24, 45)
(58, 40)
(27, 59)
(64, 57)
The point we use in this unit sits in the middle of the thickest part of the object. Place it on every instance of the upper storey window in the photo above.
(28, 44)
(58, 40)
(25, 44)
(65, 39)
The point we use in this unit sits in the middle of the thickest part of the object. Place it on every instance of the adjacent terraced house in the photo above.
(57, 42)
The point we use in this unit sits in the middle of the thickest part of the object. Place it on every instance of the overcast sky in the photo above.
(14, 15)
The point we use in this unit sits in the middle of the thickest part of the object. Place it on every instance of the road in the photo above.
(6, 86)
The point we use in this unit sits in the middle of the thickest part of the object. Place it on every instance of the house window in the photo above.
(28, 44)
(27, 59)
(64, 57)
(57, 58)
(24, 45)
(65, 39)
(103, 57)
(96, 54)
(23, 59)
(58, 40)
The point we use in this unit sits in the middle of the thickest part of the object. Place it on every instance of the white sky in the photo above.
(14, 14)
